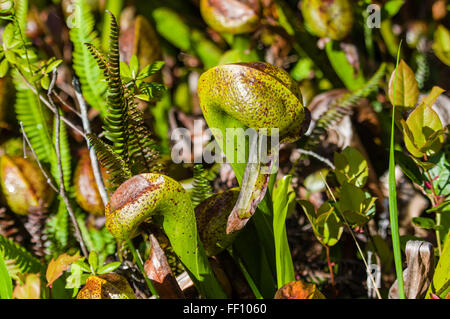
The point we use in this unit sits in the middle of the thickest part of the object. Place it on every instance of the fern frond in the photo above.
(342, 108)
(201, 185)
(423, 70)
(21, 12)
(370, 86)
(84, 63)
(115, 123)
(35, 121)
(57, 231)
(100, 59)
(116, 167)
(142, 149)
(25, 261)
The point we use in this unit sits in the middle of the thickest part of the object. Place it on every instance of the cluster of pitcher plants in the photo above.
(94, 206)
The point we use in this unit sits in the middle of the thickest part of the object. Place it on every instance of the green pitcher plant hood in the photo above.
(147, 195)
(253, 95)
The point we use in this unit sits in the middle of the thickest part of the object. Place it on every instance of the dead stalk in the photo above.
(87, 130)
(62, 188)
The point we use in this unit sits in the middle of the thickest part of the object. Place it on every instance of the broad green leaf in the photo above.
(326, 224)
(134, 65)
(432, 96)
(8, 35)
(440, 173)
(440, 285)
(425, 165)
(125, 71)
(11, 57)
(108, 268)
(53, 64)
(83, 266)
(5, 281)
(354, 204)
(407, 91)
(351, 167)
(93, 260)
(282, 198)
(424, 222)
(150, 69)
(45, 82)
(4, 67)
(441, 45)
(409, 167)
(170, 25)
(329, 226)
(422, 123)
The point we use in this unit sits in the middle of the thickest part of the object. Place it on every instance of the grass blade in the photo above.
(393, 212)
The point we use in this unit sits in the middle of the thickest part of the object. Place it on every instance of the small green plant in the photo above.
(81, 270)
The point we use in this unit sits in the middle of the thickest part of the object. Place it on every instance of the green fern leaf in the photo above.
(142, 149)
(100, 59)
(35, 121)
(342, 108)
(21, 8)
(22, 259)
(201, 185)
(84, 63)
(116, 167)
(115, 123)
(57, 231)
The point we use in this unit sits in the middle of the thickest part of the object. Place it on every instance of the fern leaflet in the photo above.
(84, 63)
(22, 259)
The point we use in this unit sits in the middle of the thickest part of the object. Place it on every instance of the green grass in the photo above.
(393, 212)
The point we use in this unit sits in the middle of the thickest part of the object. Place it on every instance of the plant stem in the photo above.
(62, 188)
(435, 202)
(92, 154)
(354, 238)
(49, 105)
(27, 140)
(329, 266)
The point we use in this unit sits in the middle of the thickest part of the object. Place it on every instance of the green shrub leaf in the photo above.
(407, 91)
